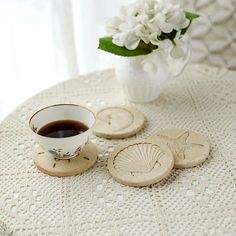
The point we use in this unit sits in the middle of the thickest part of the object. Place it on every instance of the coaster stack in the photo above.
(145, 162)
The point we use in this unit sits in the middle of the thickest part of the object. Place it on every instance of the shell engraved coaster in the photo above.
(74, 166)
(189, 148)
(140, 163)
(118, 122)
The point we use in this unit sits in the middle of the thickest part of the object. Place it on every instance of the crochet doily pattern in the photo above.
(195, 201)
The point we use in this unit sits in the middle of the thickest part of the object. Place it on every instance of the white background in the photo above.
(43, 42)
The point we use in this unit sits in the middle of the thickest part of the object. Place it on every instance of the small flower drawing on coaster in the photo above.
(52, 165)
(189, 148)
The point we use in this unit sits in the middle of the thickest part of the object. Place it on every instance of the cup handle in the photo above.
(177, 66)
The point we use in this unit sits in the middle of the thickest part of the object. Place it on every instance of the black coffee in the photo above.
(62, 129)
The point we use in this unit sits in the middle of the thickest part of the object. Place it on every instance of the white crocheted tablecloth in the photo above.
(196, 201)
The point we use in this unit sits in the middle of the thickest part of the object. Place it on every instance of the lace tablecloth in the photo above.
(196, 201)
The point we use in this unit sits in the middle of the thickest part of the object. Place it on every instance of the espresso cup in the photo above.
(62, 147)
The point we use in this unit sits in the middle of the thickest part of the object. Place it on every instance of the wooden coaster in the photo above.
(140, 163)
(189, 148)
(118, 122)
(74, 166)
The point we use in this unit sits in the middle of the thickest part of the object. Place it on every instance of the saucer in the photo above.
(58, 167)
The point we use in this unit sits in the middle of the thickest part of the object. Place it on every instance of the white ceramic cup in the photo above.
(68, 147)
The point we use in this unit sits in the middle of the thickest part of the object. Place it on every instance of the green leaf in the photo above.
(190, 15)
(107, 45)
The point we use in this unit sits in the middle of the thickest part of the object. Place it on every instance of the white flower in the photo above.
(112, 25)
(127, 36)
(150, 7)
(165, 45)
(128, 11)
(154, 38)
(129, 25)
(132, 41)
(146, 21)
(129, 40)
(142, 32)
(119, 39)
(178, 20)
(159, 24)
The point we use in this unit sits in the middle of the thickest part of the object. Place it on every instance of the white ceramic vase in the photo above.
(143, 79)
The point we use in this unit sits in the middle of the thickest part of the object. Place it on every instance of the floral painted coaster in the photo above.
(189, 148)
(140, 163)
(47, 164)
(118, 122)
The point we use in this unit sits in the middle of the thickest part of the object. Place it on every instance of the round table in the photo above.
(195, 201)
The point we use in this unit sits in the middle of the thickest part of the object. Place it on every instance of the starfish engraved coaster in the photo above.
(140, 163)
(189, 148)
(118, 122)
(47, 164)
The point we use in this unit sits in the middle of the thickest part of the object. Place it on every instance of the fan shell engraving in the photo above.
(141, 163)
(138, 158)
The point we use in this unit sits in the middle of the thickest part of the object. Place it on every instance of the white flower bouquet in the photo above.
(145, 26)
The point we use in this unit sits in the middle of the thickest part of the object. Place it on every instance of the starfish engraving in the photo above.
(179, 145)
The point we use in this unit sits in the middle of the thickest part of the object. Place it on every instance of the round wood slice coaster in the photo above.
(189, 148)
(118, 122)
(74, 166)
(140, 163)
